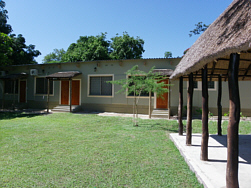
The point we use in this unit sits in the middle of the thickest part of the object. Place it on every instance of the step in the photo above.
(64, 108)
(160, 113)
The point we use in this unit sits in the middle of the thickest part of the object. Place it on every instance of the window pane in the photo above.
(195, 84)
(9, 86)
(42, 85)
(106, 88)
(95, 86)
(210, 84)
(99, 85)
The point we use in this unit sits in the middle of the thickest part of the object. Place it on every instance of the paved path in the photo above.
(212, 173)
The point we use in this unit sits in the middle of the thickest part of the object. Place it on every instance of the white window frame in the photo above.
(99, 75)
(136, 95)
(200, 86)
(35, 84)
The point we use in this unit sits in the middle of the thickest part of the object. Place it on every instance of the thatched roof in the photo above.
(63, 75)
(229, 33)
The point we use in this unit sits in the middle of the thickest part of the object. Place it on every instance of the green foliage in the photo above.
(13, 50)
(5, 48)
(91, 48)
(226, 114)
(200, 27)
(88, 48)
(138, 82)
(168, 54)
(4, 27)
(126, 47)
(54, 57)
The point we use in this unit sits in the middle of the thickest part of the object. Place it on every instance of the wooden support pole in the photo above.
(70, 95)
(205, 135)
(233, 125)
(180, 106)
(219, 105)
(189, 111)
(150, 105)
(14, 95)
(48, 94)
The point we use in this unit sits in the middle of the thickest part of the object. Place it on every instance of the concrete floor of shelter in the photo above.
(212, 173)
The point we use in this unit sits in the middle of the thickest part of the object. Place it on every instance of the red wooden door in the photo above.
(162, 103)
(22, 93)
(75, 92)
(65, 92)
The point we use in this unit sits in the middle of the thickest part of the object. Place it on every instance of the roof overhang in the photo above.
(63, 75)
(163, 72)
(15, 76)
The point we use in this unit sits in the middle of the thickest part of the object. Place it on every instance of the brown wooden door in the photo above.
(22, 93)
(65, 92)
(75, 92)
(162, 103)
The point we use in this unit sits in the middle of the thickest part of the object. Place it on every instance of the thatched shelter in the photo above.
(223, 51)
(229, 33)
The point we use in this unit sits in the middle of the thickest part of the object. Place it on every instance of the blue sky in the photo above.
(164, 25)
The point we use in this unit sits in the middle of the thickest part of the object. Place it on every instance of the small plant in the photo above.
(226, 114)
(242, 116)
(210, 114)
(199, 111)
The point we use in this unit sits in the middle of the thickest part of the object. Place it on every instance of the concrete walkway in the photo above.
(212, 173)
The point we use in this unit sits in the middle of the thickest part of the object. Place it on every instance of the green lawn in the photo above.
(77, 150)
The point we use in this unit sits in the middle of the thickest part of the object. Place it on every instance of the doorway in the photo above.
(65, 92)
(162, 102)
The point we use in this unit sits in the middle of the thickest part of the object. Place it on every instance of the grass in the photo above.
(76, 150)
(244, 127)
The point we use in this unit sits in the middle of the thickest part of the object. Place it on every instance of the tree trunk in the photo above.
(180, 106)
(48, 94)
(205, 135)
(189, 111)
(70, 95)
(219, 105)
(233, 125)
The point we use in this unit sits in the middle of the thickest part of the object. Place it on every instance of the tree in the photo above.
(4, 27)
(13, 50)
(21, 53)
(139, 82)
(126, 47)
(54, 57)
(88, 48)
(200, 27)
(168, 54)
(5, 49)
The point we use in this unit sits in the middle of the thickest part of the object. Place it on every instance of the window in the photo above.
(42, 85)
(211, 85)
(143, 93)
(195, 84)
(198, 85)
(98, 85)
(9, 86)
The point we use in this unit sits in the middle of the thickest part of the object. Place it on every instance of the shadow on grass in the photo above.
(169, 126)
(12, 115)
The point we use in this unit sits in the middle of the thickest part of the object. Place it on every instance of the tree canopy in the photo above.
(168, 54)
(126, 47)
(199, 28)
(13, 50)
(54, 57)
(91, 48)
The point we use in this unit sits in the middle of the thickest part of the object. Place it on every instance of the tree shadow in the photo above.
(19, 114)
